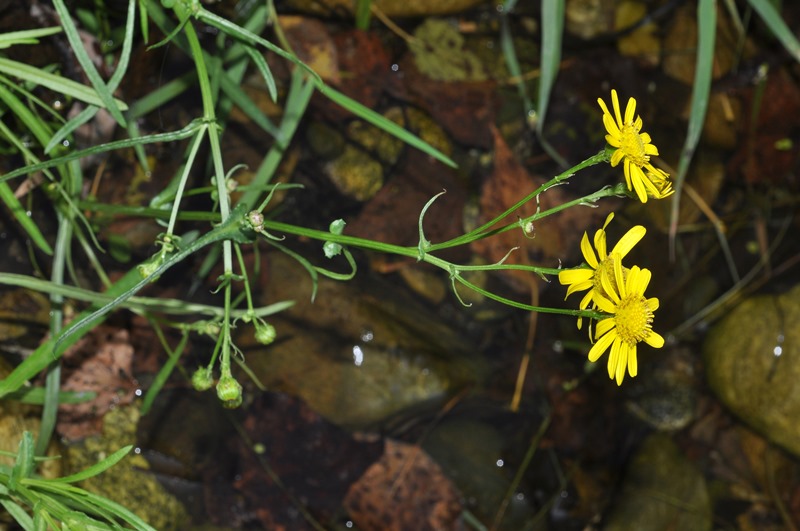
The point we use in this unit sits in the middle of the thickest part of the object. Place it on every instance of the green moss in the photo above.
(128, 483)
(440, 54)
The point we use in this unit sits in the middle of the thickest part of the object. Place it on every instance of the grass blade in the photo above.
(54, 82)
(119, 72)
(775, 23)
(30, 36)
(707, 23)
(552, 31)
(383, 123)
(97, 468)
(85, 61)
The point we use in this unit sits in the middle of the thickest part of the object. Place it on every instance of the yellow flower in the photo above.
(661, 185)
(630, 322)
(633, 150)
(589, 277)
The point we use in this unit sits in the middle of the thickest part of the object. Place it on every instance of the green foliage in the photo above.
(218, 75)
(57, 503)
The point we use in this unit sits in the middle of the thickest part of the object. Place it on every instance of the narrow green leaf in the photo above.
(363, 14)
(163, 375)
(35, 396)
(240, 98)
(552, 31)
(707, 23)
(119, 73)
(97, 468)
(23, 465)
(119, 511)
(18, 513)
(86, 63)
(30, 36)
(20, 213)
(54, 82)
(384, 123)
(266, 73)
(510, 56)
(102, 148)
(772, 18)
(46, 352)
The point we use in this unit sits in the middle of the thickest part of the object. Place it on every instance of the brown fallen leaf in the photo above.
(101, 363)
(404, 489)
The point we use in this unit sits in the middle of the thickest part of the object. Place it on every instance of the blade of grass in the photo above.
(54, 82)
(86, 63)
(6, 194)
(510, 56)
(707, 22)
(119, 73)
(47, 352)
(53, 380)
(266, 73)
(97, 468)
(35, 396)
(552, 33)
(363, 14)
(102, 148)
(383, 123)
(772, 18)
(30, 36)
(166, 370)
(18, 513)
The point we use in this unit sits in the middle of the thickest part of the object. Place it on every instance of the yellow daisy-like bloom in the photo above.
(631, 320)
(633, 150)
(589, 277)
(661, 183)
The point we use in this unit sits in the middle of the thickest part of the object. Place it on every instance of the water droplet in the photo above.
(499, 463)
(358, 356)
(395, 67)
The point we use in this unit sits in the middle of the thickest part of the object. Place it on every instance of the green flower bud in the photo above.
(232, 404)
(265, 332)
(150, 266)
(229, 390)
(202, 379)
(256, 220)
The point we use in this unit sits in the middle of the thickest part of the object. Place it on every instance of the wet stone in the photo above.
(752, 361)
(666, 396)
(440, 54)
(662, 490)
(361, 352)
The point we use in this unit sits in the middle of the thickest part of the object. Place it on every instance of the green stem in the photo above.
(483, 230)
(209, 117)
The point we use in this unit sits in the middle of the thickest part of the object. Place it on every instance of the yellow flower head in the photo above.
(633, 149)
(630, 322)
(590, 277)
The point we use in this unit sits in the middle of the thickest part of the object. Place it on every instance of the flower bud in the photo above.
(229, 390)
(256, 220)
(202, 379)
(265, 332)
(150, 266)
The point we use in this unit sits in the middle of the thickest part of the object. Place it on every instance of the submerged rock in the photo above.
(752, 361)
(662, 490)
(361, 352)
